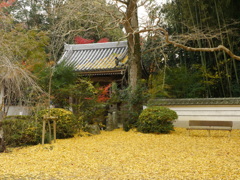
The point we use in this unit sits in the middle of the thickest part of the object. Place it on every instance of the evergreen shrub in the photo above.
(27, 130)
(67, 125)
(133, 100)
(156, 119)
(21, 130)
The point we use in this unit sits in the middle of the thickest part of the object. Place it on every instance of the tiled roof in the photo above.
(96, 57)
(194, 101)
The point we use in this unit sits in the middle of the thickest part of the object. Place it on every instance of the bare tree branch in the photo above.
(123, 2)
(175, 44)
(19, 84)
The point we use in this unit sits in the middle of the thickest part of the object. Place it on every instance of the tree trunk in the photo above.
(134, 48)
(134, 59)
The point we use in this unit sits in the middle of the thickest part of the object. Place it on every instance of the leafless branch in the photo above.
(123, 2)
(17, 82)
(175, 44)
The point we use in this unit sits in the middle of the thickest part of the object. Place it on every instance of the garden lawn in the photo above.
(129, 155)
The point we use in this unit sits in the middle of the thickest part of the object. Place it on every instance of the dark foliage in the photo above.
(156, 120)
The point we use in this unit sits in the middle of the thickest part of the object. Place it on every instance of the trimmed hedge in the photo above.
(156, 119)
(27, 130)
(20, 131)
(67, 125)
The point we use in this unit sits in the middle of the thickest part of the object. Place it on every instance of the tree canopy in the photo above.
(203, 33)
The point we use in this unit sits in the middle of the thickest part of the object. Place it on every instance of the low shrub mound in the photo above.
(27, 130)
(156, 119)
(21, 130)
(66, 123)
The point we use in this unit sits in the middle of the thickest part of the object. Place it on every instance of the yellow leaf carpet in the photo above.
(129, 155)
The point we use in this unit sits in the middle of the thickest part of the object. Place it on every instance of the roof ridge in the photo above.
(116, 44)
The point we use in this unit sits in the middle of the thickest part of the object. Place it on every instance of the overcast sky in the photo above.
(142, 15)
(142, 12)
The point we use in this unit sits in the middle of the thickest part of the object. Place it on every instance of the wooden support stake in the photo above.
(48, 120)
(54, 130)
(50, 131)
(43, 131)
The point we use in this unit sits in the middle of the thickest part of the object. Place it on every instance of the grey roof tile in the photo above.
(194, 101)
(96, 56)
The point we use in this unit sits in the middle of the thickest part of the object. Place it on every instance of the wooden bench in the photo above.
(210, 125)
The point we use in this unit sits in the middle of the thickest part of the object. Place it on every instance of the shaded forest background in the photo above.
(188, 74)
(34, 33)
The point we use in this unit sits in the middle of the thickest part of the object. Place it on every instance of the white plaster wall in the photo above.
(14, 110)
(18, 110)
(208, 113)
(1, 94)
(228, 113)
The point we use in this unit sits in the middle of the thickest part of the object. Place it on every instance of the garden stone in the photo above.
(114, 120)
(93, 129)
(109, 123)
